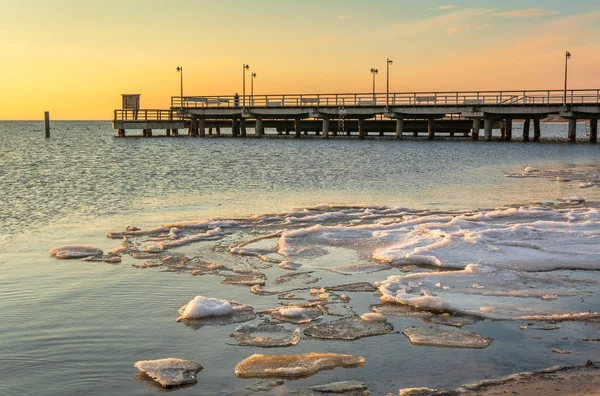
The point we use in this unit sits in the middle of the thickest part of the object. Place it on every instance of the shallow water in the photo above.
(72, 327)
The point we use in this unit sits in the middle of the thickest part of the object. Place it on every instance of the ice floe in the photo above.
(266, 335)
(349, 329)
(75, 251)
(284, 366)
(212, 311)
(170, 372)
(434, 336)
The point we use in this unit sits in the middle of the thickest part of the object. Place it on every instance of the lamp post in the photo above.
(374, 72)
(387, 92)
(252, 89)
(246, 67)
(180, 70)
(567, 57)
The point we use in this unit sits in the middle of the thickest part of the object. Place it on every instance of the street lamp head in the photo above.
(253, 74)
(568, 55)
(179, 68)
(246, 67)
(374, 71)
(389, 61)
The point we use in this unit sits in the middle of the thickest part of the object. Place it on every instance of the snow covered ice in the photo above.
(170, 372)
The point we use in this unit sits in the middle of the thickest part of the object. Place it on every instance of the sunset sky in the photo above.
(75, 58)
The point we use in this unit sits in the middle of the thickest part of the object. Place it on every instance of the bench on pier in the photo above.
(366, 102)
(472, 102)
(310, 100)
(421, 99)
(216, 101)
(274, 103)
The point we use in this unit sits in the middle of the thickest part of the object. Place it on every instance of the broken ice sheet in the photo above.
(203, 311)
(437, 337)
(284, 366)
(266, 335)
(349, 329)
(170, 372)
(295, 314)
(75, 251)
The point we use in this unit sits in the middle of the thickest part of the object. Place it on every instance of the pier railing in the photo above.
(147, 115)
(469, 98)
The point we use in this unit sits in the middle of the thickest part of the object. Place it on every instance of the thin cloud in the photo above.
(344, 17)
(530, 12)
(446, 7)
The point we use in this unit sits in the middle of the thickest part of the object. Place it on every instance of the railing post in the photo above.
(457, 98)
(355, 102)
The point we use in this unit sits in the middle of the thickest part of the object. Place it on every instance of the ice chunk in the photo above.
(75, 251)
(354, 287)
(417, 392)
(170, 372)
(284, 366)
(349, 329)
(340, 387)
(561, 351)
(433, 336)
(111, 258)
(372, 317)
(247, 335)
(295, 314)
(211, 311)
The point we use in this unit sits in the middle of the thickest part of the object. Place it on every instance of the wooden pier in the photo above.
(427, 114)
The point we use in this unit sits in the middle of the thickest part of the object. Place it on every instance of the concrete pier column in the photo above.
(430, 129)
(279, 130)
(451, 134)
(399, 127)
(325, 128)
(218, 130)
(594, 130)
(526, 129)
(175, 132)
(287, 130)
(508, 125)
(243, 126)
(193, 131)
(537, 130)
(201, 126)
(167, 132)
(572, 130)
(476, 128)
(361, 129)
(210, 130)
(298, 127)
(122, 132)
(381, 131)
(487, 129)
(234, 127)
(503, 130)
(258, 129)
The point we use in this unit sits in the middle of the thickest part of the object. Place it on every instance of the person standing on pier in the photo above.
(236, 100)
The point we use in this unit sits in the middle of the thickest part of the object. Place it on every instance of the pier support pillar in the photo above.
(193, 131)
(201, 126)
(210, 130)
(572, 130)
(147, 132)
(503, 130)
(175, 132)
(121, 132)
(168, 132)
(508, 126)
(430, 129)
(218, 130)
(325, 128)
(298, 127)
(594, 130)
(234, 127)
(451, 134)
(526, 129)
(476, 128)
(487, 129)
(537, 130)
(361, 129)
(399, 127)
(243, 126)
(287, 130)
(258, 129)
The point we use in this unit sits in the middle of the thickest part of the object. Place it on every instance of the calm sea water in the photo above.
(75, 328)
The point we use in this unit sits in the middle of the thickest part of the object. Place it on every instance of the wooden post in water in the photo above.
(298, 127)
(537, 130)
(234, 127)
(361, 129)
(594, 130)
(218, 130)
(526, 128)
(503, 130)
(508, 126)
(243, 126)
(258, 129)
(572, 130)
(47, 123)
(201, 123)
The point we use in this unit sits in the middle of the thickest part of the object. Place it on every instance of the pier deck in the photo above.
(359, 114)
